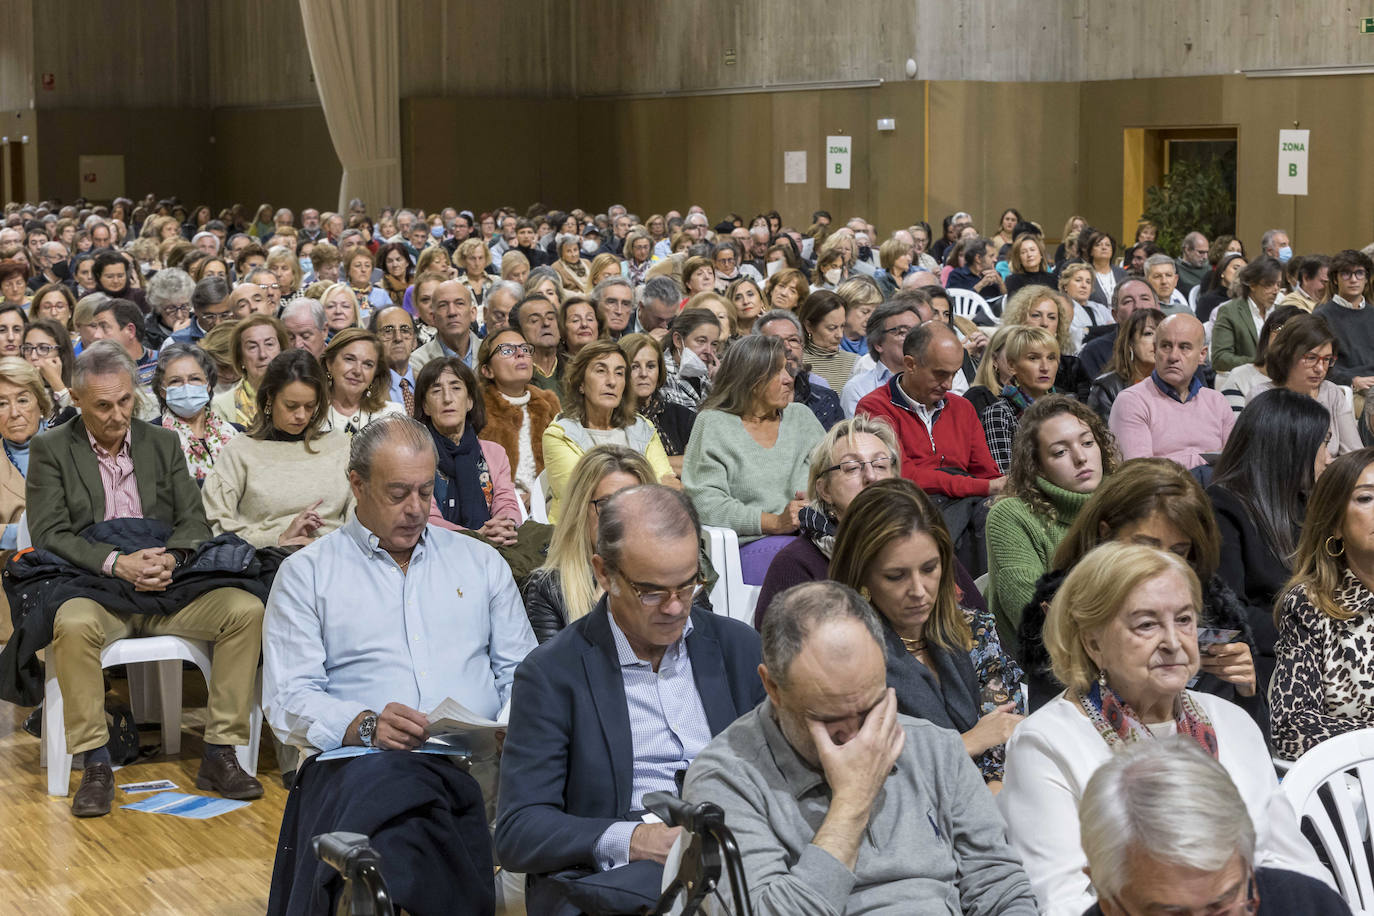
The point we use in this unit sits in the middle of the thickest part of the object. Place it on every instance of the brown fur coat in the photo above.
(503, 423)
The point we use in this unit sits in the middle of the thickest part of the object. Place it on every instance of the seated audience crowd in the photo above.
(1021, 588)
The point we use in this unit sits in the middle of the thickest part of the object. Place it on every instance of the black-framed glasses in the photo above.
(854, 466)
(176, 311)
(403, 332)
(38, 349)
(509, 350)
(1353, 275)
(655, 596)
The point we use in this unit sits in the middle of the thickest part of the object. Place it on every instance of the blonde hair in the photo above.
(987, 369)
(1022, 338)
(845, 431)
(20, 372)
(699, 301)
(1094, 594)
(1069, 271)
(571, 548)
(1027, 298)
(328, 292)
(280, 255)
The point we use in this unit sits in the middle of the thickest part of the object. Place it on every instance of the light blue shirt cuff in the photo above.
(613, 847)
(329, 730)
(10, 539)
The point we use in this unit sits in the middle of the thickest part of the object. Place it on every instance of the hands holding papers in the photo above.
(458, 726)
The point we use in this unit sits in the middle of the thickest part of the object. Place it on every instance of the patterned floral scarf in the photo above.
(1119, 725)
(1019, 399)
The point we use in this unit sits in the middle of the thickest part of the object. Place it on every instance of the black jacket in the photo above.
(1253, 571)
(1103, 394)
(37, 582)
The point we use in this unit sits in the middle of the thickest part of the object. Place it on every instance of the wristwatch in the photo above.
(367, 728)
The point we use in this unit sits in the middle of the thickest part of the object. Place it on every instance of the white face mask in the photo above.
(590, 246)
(692, 366)
(832, 276)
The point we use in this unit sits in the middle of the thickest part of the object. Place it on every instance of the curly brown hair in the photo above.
(1025, 452)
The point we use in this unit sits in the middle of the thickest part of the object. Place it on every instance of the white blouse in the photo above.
(1052, 755)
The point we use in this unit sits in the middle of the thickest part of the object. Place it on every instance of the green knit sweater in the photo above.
(1020, 546)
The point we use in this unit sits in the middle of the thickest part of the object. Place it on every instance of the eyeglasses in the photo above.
(269, 286)
(403, 332)
(900, 330)
(210, 319)
(509, 350)
(176, 311)
(1246, 905)
(656, 596)
(1312, 361)
(853, 467)
(1353, 275)
(39, 349)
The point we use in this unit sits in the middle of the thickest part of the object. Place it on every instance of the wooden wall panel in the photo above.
(477, 48)
(107, 54)
(638, 48)
(257, 55)
(16, 54)
(173, 161)
(281, 156)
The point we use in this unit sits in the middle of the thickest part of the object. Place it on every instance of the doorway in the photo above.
(1149, 155)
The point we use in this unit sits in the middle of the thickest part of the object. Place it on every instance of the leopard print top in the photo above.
(1323, 683)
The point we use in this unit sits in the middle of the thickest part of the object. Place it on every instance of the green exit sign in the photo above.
(1367, 25)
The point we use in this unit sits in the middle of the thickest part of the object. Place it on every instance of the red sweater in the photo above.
(957, 443)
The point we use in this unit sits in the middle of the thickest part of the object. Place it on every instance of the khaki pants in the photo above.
(228, 618)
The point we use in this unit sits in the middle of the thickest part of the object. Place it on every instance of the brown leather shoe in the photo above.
(96, 792)
(220, 772)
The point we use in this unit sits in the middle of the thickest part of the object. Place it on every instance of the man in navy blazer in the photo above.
(616, 706)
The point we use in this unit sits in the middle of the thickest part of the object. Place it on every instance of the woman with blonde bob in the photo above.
(472, 258)
(1323, 664)
(564, 588)
(1123, 638)
(1042, 307)
(993, 372)
(1032, 355)
(943, 660)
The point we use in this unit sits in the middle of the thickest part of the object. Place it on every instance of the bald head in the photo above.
(919, 278)
(1183, 326)
(1180, 347)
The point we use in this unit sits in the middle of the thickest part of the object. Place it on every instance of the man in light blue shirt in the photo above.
(886, 330)
(376, 623)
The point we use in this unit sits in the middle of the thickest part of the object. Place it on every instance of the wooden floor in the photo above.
(131, 862)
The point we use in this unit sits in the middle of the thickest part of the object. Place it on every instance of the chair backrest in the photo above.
(730, 596)
(1331, 789)
(539, 511)
(1192, 298)
(967, 304)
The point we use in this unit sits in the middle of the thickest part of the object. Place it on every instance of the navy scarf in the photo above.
(465, 481)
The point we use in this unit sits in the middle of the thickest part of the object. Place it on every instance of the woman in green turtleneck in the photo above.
(1062, 452)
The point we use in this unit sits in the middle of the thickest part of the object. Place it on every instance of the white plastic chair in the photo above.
(1192, 298)
(163, 655)
(1331, 788)
(23, 542)
(730, 596)
(967, 304)
(539, 508)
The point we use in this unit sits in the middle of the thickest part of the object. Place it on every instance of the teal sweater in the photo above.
(732, 480)
(1020, 546)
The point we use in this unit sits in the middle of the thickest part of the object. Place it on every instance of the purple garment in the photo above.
(755, 557)
(407, 303)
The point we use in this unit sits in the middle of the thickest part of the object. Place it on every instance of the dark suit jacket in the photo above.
(567, 770)
(1099, 294)
(65, 495)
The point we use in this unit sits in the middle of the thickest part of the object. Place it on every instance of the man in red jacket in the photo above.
(944, 451)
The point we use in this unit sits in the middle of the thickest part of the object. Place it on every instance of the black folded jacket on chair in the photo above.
(37, 583)
(422, 814)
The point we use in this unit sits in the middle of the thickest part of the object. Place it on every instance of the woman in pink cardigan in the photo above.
(473, 489)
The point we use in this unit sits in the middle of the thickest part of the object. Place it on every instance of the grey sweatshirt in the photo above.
(935, 841)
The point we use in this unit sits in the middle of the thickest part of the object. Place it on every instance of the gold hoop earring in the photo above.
(1339, 552)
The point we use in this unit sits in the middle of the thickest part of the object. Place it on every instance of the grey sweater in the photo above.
(732, 480)
(1354, 330)
(935, 841)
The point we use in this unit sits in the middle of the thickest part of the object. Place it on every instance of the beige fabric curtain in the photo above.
(355, 51)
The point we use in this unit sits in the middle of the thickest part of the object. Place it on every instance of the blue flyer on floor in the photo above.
(197, 807)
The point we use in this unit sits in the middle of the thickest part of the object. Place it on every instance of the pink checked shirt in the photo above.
(120, 485)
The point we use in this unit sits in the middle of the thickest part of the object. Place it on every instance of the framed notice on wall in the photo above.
(1293, 162)
(838, 162)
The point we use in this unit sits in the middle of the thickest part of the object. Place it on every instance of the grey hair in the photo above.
(173, 351)
(1155, 260)
(599, 291)
(1192, 238)
(773, 315)
(103, 357)
(209, 291)
(313, 306)
(1166, 799)
(661, 289)
(1269, 237)
(657, 511)
(407, 433)
(507, 286)
(567, 238)
(170, 286)
(874, 332)
(795, 613)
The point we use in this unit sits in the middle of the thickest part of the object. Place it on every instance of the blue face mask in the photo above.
(437, 231)
(1285, 254)
(306, 266)
(187, 400)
